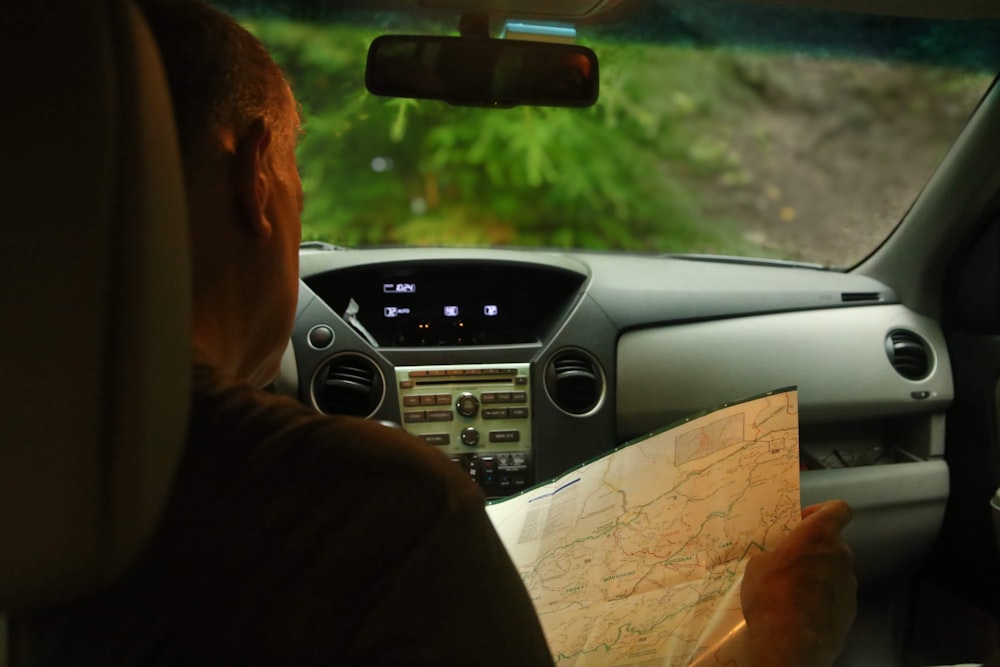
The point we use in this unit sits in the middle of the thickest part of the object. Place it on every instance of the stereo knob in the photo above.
(467, 405)
(470, 436)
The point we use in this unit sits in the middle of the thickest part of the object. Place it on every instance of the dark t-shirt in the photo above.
(294, 538)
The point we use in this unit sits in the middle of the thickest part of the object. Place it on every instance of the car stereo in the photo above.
(479, 415)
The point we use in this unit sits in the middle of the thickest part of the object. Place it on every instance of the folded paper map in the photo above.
(636, 558)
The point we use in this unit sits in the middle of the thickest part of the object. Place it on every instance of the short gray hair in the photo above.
(221, 77)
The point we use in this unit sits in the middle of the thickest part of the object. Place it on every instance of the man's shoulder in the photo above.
(263, 431)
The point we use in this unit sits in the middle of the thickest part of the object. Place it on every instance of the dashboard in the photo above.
(520, 365)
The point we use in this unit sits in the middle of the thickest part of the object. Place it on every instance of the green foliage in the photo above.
(680, 138)
(392, 171)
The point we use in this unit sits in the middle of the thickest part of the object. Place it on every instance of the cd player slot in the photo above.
(421, 383)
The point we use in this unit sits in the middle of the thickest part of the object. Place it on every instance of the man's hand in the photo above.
(799, 599)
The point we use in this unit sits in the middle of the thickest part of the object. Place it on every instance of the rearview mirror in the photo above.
(482, 72)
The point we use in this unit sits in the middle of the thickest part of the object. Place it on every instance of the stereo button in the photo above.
(470, 436)
(467, 405)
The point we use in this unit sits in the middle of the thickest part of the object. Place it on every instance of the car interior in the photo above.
(517, 362)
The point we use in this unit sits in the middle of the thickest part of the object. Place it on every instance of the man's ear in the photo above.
(253, 180)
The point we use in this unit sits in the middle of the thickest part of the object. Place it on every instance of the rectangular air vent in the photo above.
(860, 297)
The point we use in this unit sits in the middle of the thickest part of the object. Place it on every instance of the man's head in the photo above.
(237, 123)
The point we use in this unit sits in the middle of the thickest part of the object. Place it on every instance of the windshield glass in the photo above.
(721, 128)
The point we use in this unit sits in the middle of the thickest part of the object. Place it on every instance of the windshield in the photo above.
(721, 128)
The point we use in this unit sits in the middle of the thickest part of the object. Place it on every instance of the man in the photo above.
(295, 538)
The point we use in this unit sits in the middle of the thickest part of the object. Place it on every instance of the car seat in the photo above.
(94, 297)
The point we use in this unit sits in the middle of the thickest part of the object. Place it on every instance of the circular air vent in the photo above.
(908, 353)
(348, 384)
(574, 381)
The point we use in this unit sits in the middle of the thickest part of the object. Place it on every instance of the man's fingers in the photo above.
(836, 511)
(811, 509)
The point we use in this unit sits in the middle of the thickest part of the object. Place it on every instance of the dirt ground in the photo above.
(836, 153)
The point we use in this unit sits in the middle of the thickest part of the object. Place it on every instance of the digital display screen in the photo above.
(451, 303)
(438, 312)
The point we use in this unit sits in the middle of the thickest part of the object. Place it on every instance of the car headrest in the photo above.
(94, 296)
